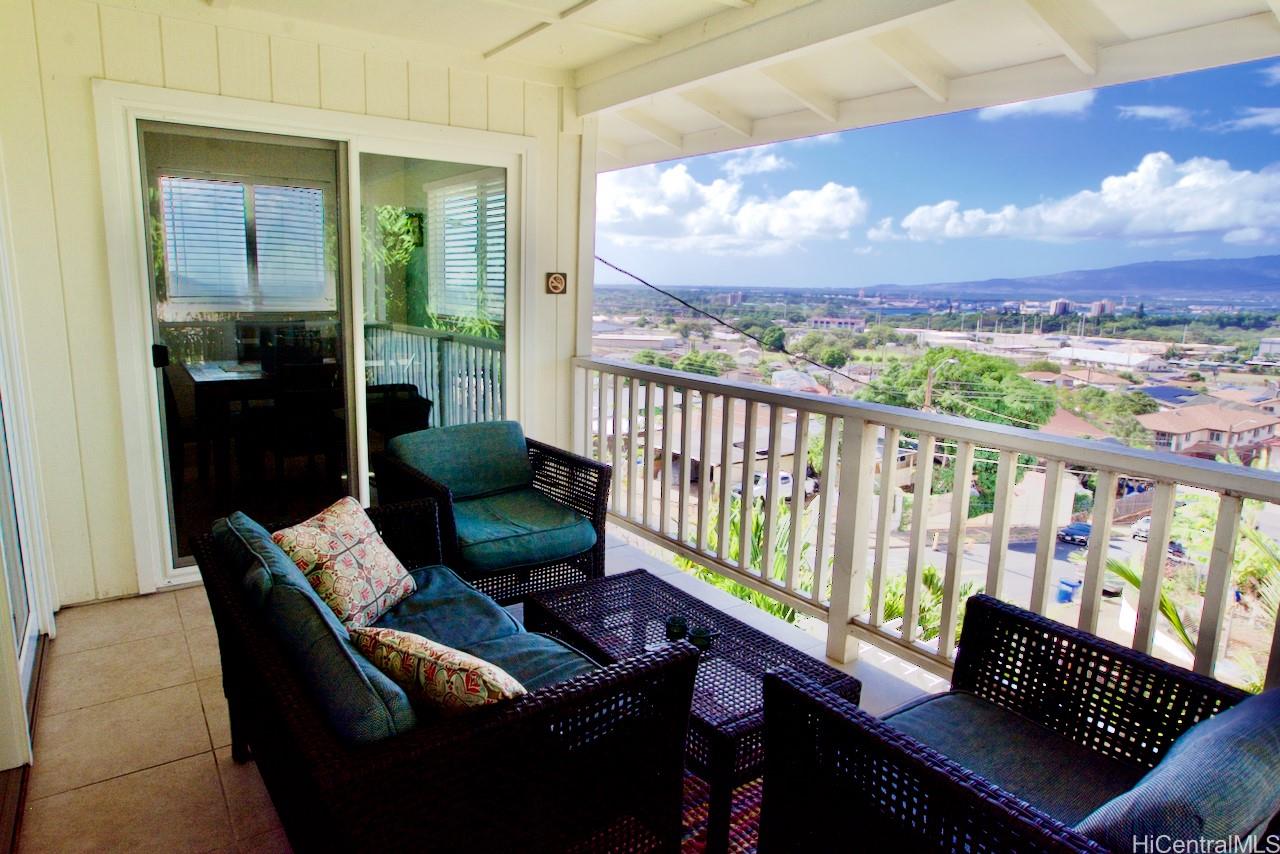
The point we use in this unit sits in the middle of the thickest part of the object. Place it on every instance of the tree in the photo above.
(713, 364)
(834, 357)
(1044, 366)
(774, 338)
(657, 360)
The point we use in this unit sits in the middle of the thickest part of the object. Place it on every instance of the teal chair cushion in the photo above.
(1052, 773)
(448, 610)
(471, 459)
(361, 703)
(519, 528)
(535, 660)
(1220, 780)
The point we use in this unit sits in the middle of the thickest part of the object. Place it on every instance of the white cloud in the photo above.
(1254, 118)
(1159, 200)
(884, 231)
(755, 161)
(1071, 104)
(1173, 117)
(1271, 75)
(668, 207)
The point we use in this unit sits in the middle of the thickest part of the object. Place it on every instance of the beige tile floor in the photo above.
(132, 738)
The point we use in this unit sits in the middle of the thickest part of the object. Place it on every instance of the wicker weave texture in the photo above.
(591, 764)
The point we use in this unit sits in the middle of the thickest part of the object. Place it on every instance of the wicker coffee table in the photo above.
(617, 617)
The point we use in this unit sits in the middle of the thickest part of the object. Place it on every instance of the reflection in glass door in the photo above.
(248, 317)
(11, 548)
(434, 262)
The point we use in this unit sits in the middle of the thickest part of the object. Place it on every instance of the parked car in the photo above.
(1141, 529)
(1177, 550)
(1076, 532)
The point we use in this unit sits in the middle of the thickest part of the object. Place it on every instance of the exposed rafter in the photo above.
(716, 108)
(614, 148)
(654, 128)
(1075, 44)
(807, 94)
(548, 19)
(905, 53)
(700, 53)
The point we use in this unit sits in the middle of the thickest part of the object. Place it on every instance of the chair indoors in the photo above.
(516, 515)
(1051, 739)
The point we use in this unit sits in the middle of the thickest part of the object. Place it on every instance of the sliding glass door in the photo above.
(16, 580)
(248, 298)
(434, 271)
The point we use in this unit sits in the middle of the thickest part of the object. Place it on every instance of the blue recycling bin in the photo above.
(1067, 590)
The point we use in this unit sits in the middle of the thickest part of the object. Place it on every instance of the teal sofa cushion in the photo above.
(1220, 780)
(360, 702)
(519, 528)
(1052, 773)
(471, 459)
(535, 660)
(448, 610)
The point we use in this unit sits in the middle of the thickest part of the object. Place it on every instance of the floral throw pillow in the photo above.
(347, 563)
(436, 674)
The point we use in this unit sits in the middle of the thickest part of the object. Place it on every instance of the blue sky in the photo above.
(1180, 167)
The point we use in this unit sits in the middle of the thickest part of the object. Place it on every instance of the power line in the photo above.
(726, 324)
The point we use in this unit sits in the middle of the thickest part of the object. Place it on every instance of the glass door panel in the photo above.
(10, 545)
(246, 286)
(434, 263)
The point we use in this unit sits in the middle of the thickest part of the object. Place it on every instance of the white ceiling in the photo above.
(670, 78)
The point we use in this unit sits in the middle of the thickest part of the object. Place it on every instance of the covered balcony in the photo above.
(246, 245)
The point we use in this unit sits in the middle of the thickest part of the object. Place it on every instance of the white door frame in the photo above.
(17, 660)
(118, 108)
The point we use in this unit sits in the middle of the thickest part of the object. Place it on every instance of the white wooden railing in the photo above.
(462, 374)
(683, 448)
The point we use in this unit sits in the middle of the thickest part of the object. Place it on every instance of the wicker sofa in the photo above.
(1044, 725)
(590, 763)
(516, 515)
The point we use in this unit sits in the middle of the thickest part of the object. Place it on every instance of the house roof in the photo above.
(1247, 396)
(1066, 423)
(1103, 357)
(1096, 377)
(1170, 394)
(1040, 376)
(1210, 416)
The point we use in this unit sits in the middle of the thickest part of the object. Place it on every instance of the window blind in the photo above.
(467, 224)
(231, 245)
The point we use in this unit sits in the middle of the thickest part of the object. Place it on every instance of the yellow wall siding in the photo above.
(49, 61)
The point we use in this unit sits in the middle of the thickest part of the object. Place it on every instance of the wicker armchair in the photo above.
(594, 763)
(829, 759)
(570, 480)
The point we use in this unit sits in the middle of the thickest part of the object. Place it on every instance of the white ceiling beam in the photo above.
(644, 71)
(904, 52)
(1254, 37)
(716, 108)
(1275, 8)
(547, 19)
(809, 96)
(736, 4)
(654, 128)
(614, 148)
(1073, 42)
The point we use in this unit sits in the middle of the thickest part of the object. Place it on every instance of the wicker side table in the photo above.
(618, 616)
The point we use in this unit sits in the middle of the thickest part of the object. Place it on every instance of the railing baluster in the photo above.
(826, 494)
(727, 410)
(1153, 565)
(1218, 583)
(1272, 678)
(853, 523)
(647, 487)
(615, 494)
(1006, 476)
(704, 470)
(770, 543)
(1046, 543)
(960, 480)
(664, 500)
(920, 502)
(602, 451)
(799, 474)
(746, 500)
(686, 445)
(884, 522)
(1095, 564)
(633, 413)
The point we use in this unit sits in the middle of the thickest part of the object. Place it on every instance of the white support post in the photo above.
(1218, 584)
(920, 501)
(1153, 566)
(853, 524)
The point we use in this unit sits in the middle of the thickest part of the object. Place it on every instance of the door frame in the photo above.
(118, 108)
